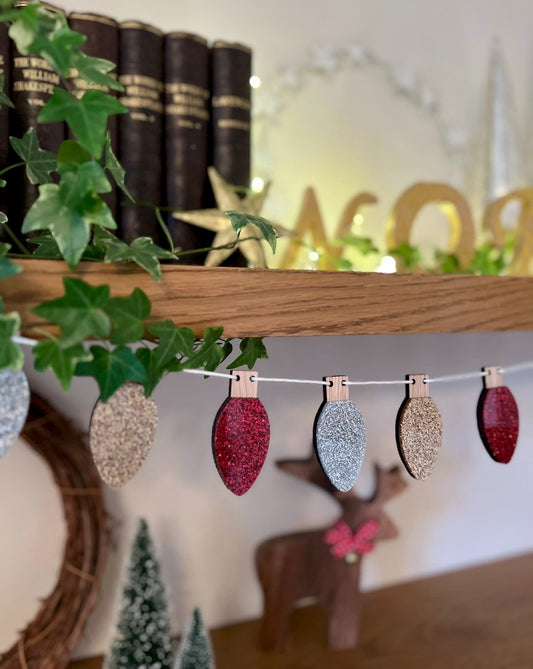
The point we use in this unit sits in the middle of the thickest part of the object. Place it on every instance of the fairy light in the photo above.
(358, 220)
(314, 255)
(257, 184)
(387, 265)
(255, 81)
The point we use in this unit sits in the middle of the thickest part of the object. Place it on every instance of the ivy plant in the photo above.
(69, 220)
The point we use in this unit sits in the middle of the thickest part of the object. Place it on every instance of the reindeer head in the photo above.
(355, 510)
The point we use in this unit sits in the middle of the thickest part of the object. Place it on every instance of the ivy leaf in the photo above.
(4, 100)
(39, 163)
(86, 117)
(115, 168)
(46, 246)
(95, 70)
(112, 369)
(127, 315)
(364, 245)
(38, 30)
(70, 230)
(71, 154)
(487, 260)
(7, 267)
(80, 181)
(141, 251)
(210, 354)
(409, 255)
(49, 353)
(447, 263)
(11, 354)
(252, 348)
(79, 313)
(154, 372)
(172, 340)
(239, 221)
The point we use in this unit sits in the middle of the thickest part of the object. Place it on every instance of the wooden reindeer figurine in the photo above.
(324, 563)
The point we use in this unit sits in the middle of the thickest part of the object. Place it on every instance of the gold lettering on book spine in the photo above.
(141, 92)
(231, 101)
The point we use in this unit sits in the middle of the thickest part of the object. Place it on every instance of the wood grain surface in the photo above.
(258, 302)
(479, 618)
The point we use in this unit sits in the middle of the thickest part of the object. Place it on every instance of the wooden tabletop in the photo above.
(479, 618)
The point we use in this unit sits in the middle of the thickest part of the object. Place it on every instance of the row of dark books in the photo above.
(189, 107)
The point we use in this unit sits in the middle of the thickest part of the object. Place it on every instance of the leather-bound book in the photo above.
(102, 42)
(231, 66)
(5, 70)
(32, 84)
(186, 135)
(140, 131)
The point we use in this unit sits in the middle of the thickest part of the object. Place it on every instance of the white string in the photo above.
(456, 377)
(520, 367)
(517, 368)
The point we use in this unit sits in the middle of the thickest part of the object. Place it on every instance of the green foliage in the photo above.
(74, 224)
(409, 255)
(49, 354)
(87, 117)
(4, 99)
(488, 260)
(39, 163)
(112, 369)
(127, 315)
(11, 354)
(446, 263)
(364, 245)
(7, 267)
(143, 634)
(195, 651)
(240, 220)
(79, 313)
(115, 169)
(141, 251)
(252, 348)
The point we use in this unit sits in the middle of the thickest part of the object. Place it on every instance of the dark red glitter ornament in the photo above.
(497, 417)
(241, 435)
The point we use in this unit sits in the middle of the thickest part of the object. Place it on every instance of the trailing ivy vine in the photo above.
(73, 223)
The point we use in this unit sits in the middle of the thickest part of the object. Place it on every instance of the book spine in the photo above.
(102, 42)
(32, 84)
(140, 145)
(231, 67)
(5, 70)
(187, 94)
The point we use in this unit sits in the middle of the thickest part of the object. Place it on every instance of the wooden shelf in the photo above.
(256, 302)
(479, 617)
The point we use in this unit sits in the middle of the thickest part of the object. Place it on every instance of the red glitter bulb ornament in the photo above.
(497, 417)
(241, 435)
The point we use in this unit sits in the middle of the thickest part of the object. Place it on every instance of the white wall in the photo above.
(472, 509)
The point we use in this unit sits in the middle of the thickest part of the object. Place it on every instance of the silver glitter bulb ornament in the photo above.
(340, 435)
(497, 166)
(14, 405)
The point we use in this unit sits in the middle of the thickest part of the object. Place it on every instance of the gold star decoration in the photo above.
(214, 219)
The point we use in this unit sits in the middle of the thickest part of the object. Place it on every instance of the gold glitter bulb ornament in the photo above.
(419, 429)
(340, 435)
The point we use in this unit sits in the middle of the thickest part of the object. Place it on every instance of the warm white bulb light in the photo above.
(257, 184)
(358, 220)
(255, 81)
(313, 255)
(388, 265)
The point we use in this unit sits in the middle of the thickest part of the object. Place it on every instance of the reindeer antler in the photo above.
(389, 483)
(309, 470)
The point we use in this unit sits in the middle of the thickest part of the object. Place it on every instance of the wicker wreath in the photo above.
(49, 641)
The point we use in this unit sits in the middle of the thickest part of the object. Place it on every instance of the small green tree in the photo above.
(195, 650)
(143, 639)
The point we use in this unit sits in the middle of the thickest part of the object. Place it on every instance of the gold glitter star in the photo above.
(215, 220)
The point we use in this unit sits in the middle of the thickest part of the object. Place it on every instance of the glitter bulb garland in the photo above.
(241, 435)
(497, 417)
(340, 435)
(419, 429)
